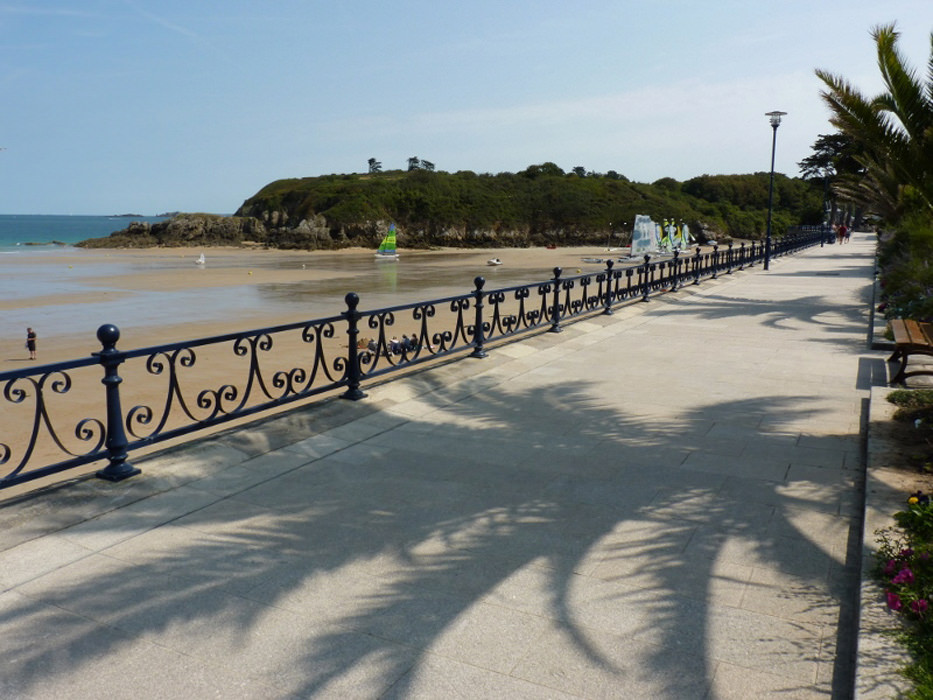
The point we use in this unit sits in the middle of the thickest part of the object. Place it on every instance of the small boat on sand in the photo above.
(493, 262)
(387, 247)
(595, 261)
(200, 260)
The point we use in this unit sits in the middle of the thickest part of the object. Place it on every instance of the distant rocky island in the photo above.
(542, 205)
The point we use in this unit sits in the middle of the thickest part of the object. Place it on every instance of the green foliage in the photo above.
(904, 566)
(891, 134)
(912, 398)
(906, 260)
(540, 198)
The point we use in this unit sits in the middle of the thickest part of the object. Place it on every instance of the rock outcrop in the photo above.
(185, 230)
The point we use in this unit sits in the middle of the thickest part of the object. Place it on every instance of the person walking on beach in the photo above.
(31, 343)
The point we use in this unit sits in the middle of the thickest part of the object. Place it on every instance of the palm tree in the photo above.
(892, 132)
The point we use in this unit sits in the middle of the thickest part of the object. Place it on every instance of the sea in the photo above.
(38, 232)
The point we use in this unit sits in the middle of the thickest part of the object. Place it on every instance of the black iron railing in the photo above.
(179, 388)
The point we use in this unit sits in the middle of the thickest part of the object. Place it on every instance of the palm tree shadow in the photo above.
(842, 321)
(469, 537)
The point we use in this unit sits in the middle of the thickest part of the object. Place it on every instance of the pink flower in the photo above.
(919, 606)
(890, 567)
(894, 601)
(904, 576)
(906, 553)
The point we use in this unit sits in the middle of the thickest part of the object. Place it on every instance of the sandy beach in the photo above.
(158, 296)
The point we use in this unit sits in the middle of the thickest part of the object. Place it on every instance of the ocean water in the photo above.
(17, 231)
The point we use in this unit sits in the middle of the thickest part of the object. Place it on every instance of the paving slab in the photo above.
(656, 503)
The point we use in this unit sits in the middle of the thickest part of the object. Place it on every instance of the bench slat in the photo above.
(911, 338)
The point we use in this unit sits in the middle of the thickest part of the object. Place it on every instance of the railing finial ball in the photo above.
(108, 335)
(352, 300)
(479, 281)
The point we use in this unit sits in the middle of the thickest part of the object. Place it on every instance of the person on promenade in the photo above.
(31, 343)
(841, 233)
(848, 234)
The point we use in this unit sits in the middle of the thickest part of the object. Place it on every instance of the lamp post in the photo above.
(775, 123)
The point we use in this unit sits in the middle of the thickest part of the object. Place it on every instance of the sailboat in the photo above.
(387, 247)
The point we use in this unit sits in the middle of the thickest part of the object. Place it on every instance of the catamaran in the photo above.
(387, 247)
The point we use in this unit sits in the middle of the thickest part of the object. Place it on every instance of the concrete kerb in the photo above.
(880, 658)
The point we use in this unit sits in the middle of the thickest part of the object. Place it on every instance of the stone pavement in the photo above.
(662, 503)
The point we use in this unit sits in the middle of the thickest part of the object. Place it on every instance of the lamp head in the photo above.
(775, 117)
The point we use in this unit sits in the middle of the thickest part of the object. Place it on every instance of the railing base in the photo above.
(353, 395)
(114, 473)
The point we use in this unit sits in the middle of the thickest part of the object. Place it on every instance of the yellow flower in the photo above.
(913, 499)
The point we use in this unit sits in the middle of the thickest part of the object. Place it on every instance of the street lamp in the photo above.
(775, 123)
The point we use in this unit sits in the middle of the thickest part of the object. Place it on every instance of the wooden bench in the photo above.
(910, 338)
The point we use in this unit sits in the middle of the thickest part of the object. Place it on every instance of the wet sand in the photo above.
(159, 296)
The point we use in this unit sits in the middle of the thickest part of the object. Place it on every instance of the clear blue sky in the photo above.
(144, 106)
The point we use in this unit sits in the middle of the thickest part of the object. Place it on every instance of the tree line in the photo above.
(543, 197)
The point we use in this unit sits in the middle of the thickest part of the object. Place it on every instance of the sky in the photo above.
(144, 106)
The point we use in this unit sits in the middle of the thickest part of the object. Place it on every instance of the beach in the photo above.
(158, 296)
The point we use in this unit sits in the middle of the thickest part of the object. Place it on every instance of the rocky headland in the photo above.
(540, 206)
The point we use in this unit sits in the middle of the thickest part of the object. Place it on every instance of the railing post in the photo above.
(116, 443)
(675, 267)
(715, 261)
(646, 288)
(696, 267)
(555, 309)
(742, 255)
(478, 335)
(608, 303)
(729, 259)
(354, 373)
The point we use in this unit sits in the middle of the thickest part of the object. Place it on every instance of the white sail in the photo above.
(644, 235)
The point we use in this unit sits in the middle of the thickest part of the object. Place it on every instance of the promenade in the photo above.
(662, 503)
